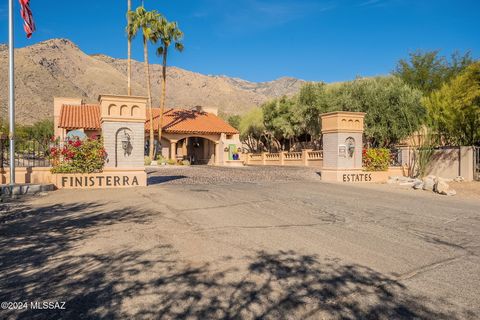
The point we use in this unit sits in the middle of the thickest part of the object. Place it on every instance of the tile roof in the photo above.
(85, 116)
(175, 120)
(189, 121)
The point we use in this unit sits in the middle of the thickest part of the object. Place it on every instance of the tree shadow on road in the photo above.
(163, 179)
(38, 263)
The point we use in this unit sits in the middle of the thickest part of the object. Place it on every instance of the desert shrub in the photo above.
(78, 156)
(376, 159)
(147, 161)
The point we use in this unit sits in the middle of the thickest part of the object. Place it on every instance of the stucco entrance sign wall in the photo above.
(342, 147)
(122, 121)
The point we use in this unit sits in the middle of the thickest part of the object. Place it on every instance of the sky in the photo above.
(261, 40)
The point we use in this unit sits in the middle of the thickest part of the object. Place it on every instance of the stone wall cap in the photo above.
(123, 97)
(343, 113)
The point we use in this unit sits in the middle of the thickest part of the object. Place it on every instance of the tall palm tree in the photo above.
(167, 33)
(129, 59)
(145, 20)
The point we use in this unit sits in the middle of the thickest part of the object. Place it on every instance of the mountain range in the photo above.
(58, 67)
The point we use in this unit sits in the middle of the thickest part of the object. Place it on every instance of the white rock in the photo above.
(441, 187)
(418, 185)
(459, 179)
(428, 183)
(443, 179)
(451, 192)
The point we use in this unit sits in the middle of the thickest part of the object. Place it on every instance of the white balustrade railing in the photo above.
(293, 156)
(315, 155)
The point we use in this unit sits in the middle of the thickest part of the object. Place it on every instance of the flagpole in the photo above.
(11, 92)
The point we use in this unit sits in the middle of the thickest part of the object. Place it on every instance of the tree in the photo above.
(145, 21)
(41, 131)
(311, 103)
(282, 124)
(168, 33)
(393, 109)
(252, 130)
(427, 71)
(129, 58)
(234, 121)
(454, 109)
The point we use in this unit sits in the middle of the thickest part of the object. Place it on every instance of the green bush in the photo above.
(148, 161)
(376, 159)
(78, 156)
(185, 163)
(172, 162)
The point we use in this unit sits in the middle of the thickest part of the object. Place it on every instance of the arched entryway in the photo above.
(197, 150)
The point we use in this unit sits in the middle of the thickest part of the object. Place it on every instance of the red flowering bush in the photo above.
(376, 159)
(78, 156)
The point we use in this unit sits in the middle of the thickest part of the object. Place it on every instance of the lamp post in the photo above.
(11, 92)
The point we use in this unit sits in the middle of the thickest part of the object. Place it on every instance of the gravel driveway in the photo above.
(226, 175)
(248, 243)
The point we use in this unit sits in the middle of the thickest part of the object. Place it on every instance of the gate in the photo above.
(476, 163)
(28, 153)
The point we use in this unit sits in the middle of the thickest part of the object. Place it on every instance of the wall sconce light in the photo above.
(350, 142)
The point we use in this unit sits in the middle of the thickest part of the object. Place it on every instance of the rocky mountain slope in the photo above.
(58, 67)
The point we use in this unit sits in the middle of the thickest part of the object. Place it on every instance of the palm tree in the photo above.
(167, 33)
(129, 59)
(145, 20)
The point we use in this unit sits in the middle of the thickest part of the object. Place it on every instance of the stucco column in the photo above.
(466, 170)
(342, 147)
(305, 156)
(217, 153)
(173, 150)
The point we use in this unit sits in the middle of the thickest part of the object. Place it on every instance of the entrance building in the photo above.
(197, 134)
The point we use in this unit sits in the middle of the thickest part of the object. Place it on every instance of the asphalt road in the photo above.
(279, 247)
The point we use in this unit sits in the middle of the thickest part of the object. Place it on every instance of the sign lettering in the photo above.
(357, 177)
(99, 181)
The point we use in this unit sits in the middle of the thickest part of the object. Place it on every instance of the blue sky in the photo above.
(260, 40)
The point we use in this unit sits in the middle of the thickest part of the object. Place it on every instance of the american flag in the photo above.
(28, 24)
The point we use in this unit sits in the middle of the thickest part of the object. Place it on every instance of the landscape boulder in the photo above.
(429, 183)
(418, 185)
(441, 187)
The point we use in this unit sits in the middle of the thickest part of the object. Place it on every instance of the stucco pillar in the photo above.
(305, 156)
(342, 146)
(466, 170)
(282, 158)
(217, 152)
(173, 150)
(123, 129)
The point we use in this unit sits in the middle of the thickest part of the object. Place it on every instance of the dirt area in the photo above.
(261, 243)
(469, 190)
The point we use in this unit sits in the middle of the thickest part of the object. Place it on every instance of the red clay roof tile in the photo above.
(175, 120)
(189, 121)
(80, 116)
